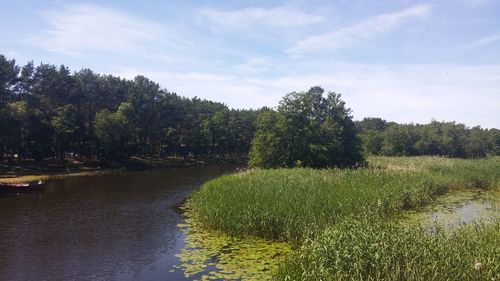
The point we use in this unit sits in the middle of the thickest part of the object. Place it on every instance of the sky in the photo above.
(404, 61)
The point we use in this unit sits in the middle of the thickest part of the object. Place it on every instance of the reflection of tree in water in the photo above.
(209, 255)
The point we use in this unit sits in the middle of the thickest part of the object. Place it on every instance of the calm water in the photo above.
(460, 207)
(112, 227)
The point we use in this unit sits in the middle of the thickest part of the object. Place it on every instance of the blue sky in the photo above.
(405, 61)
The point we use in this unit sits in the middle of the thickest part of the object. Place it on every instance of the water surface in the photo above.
(463, 206)
(110, 227)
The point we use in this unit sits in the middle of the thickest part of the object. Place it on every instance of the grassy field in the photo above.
(313, 208)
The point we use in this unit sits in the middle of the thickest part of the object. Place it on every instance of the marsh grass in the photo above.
(341, 219)
(284, 203)
(355, 250)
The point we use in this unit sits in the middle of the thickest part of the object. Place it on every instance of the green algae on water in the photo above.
(462, 206)
(211, 255)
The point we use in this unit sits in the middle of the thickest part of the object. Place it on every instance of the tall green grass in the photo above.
(340, 219)
(285, 203)
(354, 250)
(460, 172)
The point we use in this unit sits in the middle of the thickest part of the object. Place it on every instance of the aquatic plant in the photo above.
(345, 222)
(284, 203)
(359, 250)
(209, 255)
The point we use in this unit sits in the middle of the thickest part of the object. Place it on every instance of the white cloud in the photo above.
(483, 41)
(81, 28)
(364, 30)
(283, 16)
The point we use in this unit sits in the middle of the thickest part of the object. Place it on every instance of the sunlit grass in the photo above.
(356, 250)
(343, 220)
(283, 203)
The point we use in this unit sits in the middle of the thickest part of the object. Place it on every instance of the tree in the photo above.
(216, 132)
(113, 132)
(494, 140)
(370, 131)
(476, 144)
(399, 140)
(46, 111)
(307, 130)
(68, 126)
(8, 78)
(268, 148)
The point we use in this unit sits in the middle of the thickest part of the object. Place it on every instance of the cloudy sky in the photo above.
(405, 61)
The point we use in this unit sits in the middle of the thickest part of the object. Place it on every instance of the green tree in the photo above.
(370, 131)
(372, 141)
(8, 79)
(216, 132)
(68, 126)
(16, 131)
(307, 130)
(476, 144)
(494, 140)
(399, 140)
(269, 147)
(113, 132)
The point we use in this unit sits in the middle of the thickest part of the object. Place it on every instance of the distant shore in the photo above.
(28, 171)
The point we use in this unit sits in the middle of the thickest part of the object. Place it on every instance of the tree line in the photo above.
(47, 111)
(451, 139)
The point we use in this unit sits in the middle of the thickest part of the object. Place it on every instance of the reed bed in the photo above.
(355, 250)
(340, 220)
(283, 203)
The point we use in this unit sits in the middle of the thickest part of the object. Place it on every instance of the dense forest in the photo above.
(48, 112)
(451, 139)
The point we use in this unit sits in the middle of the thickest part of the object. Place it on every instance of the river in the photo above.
(129, 227)
(109, 227)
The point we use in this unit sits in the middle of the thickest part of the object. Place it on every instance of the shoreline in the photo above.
(28, 171)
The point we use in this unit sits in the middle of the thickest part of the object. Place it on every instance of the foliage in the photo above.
(60, 110)
(68, 124)
(307, 130)
(113, 131)
(268, 145)
(380, 137)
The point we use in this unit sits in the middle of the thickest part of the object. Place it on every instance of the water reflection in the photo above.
(112, 227)
(460, 207)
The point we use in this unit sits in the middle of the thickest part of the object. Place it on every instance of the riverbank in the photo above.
(314, 209)
(27, 171)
